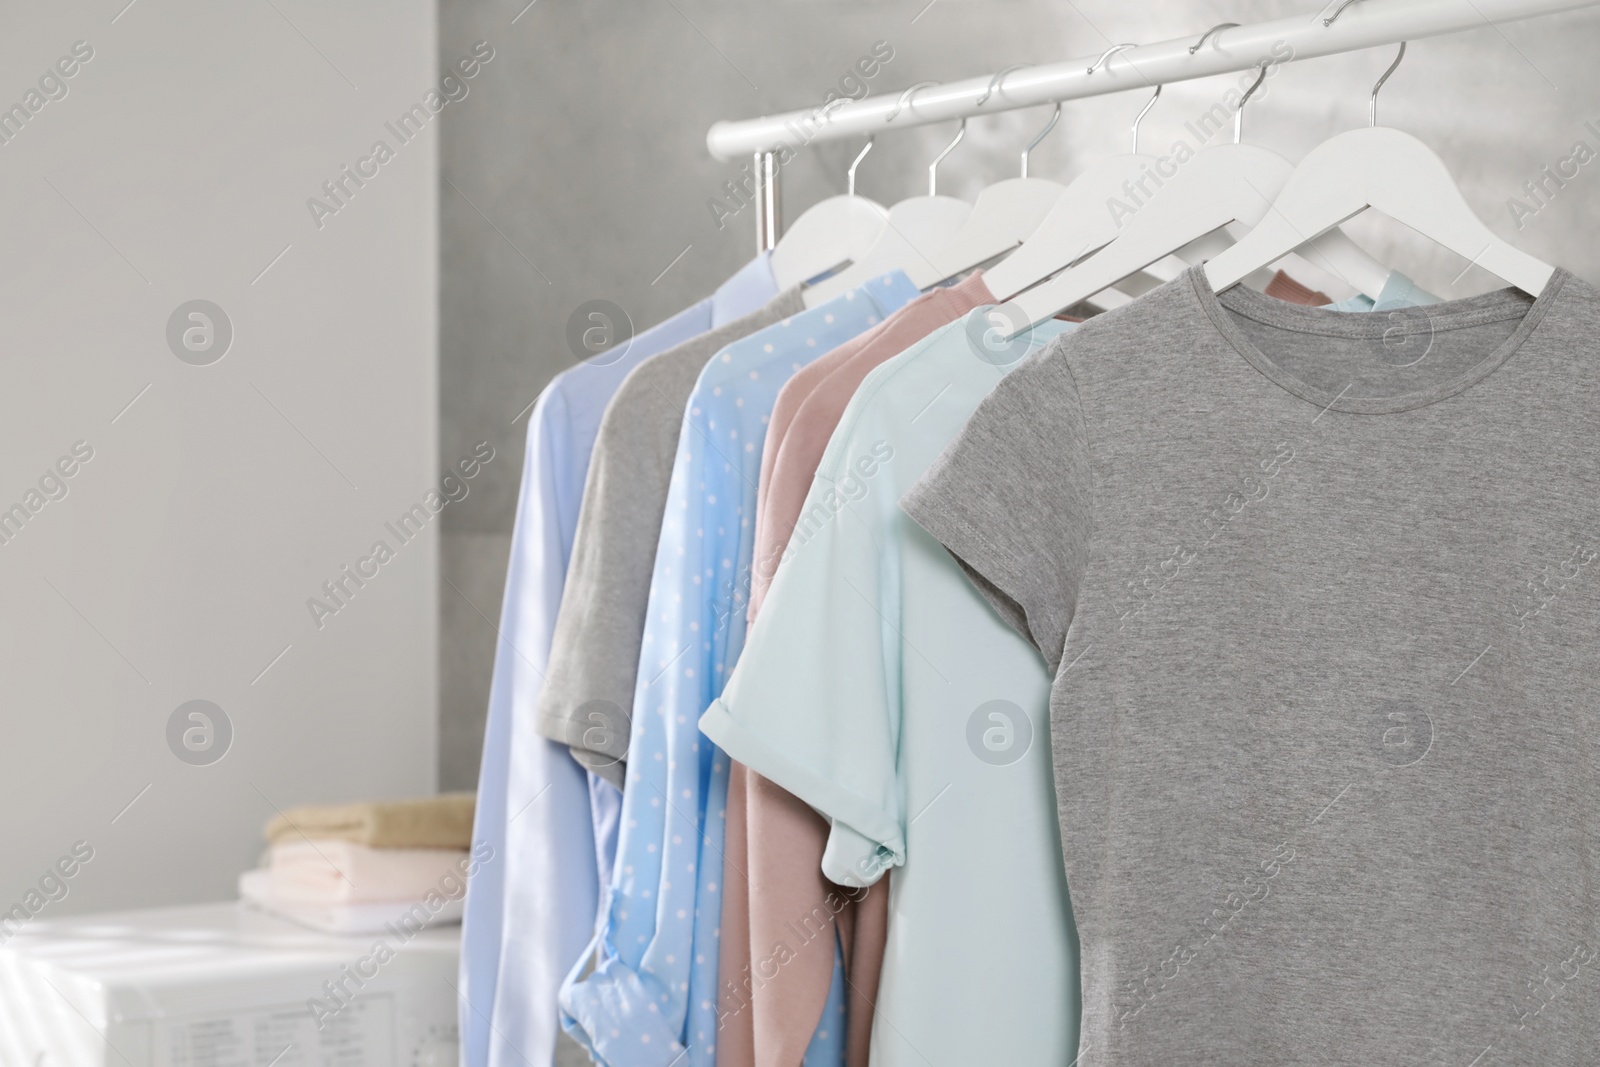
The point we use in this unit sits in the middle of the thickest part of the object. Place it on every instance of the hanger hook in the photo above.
(995, 81)
(1330, 19)
(933, 168)
(1054, 116)
(1109, 52)
(1238, 114)
(1372, 119)
(905, 98)
(850, 175)
(1140, 117)
(824, 114)
(1218, 28)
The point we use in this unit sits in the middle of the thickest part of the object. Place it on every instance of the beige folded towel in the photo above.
(431, 822)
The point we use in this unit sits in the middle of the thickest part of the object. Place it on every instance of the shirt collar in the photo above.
(888, 292)
(750, 288)
(1401, 292)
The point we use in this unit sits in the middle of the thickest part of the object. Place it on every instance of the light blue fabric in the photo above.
(1398, 292)
(651, 1000)
(880, 688)
(826, 1047)
(530, 908)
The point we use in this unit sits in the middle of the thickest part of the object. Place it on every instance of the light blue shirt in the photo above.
(530, 909)
(1398, 292)
(651, 1000)
(882, 690)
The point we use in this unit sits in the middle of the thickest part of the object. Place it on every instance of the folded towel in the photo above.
(431, 822)
(385, 916)
(343, 872)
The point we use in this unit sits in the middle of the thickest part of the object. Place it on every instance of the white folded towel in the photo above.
(343, 872)
(402, 917)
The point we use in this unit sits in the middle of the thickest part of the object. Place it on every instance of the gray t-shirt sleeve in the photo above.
(594, 654)
(1010, 499)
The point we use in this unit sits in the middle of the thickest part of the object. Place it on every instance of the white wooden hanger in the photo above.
(1393, 172)
(1167, 269)
(914, 224)
(1364, 273)
(1224, 184)
(840, 229)
(1079, 223)
(1003, 216)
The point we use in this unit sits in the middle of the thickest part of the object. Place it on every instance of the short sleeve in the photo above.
(809, 705)
(594, 656)
(1011, 499)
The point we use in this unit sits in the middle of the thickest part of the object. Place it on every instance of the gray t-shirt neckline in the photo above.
(1500, 305)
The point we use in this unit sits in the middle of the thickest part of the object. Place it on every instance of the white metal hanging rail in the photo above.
(1366, 24)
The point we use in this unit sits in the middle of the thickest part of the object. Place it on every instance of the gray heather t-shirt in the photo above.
(594, 655)
(1321, 597)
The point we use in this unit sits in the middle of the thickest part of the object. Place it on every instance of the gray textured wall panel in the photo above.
(578, 170)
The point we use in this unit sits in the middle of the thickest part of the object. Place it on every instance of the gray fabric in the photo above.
(1324, 628)
(594, 656)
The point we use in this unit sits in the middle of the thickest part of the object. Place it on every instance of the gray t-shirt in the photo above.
(594, 655)
(1316, 592)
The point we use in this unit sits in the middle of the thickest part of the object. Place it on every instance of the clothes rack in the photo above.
(1343, 26)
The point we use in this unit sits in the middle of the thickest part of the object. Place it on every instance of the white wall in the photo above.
(178, 565)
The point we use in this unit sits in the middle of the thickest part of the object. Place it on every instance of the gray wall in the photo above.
(177, 565)
(582, 153)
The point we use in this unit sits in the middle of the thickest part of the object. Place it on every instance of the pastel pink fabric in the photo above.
(817, 403)
(780, 898)
(787, 406)
(1283, 287)
(736, 1033)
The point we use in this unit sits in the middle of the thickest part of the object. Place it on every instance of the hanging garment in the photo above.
(1398, 291)
(771, 1021)
(818, 1032)
(1313, 589)
(816, 415)
(653, 992)
(858, 691)
(812, 406)
(587, 698)
(538, 891)
(780, 877)
(1283, 287)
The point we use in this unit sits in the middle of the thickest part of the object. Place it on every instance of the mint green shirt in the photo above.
(880, 688)
(1398, 291)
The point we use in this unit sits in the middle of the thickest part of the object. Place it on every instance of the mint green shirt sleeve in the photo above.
(879, 687)
(812, 701)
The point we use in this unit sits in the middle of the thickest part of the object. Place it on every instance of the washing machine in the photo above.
(225, 985)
